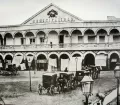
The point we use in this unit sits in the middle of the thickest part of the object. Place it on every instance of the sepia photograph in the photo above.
(59, 52)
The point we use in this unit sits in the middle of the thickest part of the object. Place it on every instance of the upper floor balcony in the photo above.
(63, 47)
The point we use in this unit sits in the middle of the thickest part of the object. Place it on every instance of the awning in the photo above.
(100, 60)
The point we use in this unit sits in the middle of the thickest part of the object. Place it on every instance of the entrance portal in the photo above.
(42, 63)
(114, 58)
(89, 60)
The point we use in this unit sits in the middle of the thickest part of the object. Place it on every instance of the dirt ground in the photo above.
(15, 91)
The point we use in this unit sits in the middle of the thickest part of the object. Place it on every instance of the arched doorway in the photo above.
(102, 34)
(30, 39)
(64, 38)
(30, 62)
(90, 36)
(53, 62)
(41, 36)
(8, 39)
(42, 63)
(76, 62)
(53, 37)
(19, 40)
(64, 62)
(8, 61)
(89, 59)
(1, 62)
(76, 36)
(114, 58)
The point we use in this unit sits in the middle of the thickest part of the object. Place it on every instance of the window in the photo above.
(101, 39)
(32, 40)
(80, 39)
(41, 40)
(116, 38)
(91, 39)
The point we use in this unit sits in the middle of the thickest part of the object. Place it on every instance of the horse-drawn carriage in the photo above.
(49, 83)
(11, 70)
(56, 84)
(66, 81)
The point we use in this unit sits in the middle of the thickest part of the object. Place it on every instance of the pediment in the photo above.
(51, 14)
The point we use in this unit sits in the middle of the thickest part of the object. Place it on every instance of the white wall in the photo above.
(17, 41)
(53, 38)
(74, 38)
(67, 39)
(9, 41)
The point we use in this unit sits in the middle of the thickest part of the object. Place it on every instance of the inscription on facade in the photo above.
(53, 20)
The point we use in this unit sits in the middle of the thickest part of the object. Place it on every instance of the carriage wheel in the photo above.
(68, 85)
(52, 90)
(58, 88)
(40, 89)
(74, 84)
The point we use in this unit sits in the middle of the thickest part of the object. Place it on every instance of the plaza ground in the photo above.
(15, 90)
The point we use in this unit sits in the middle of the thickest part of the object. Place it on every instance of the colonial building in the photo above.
(56, 39)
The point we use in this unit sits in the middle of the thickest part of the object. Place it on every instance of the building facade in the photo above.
(54, 39)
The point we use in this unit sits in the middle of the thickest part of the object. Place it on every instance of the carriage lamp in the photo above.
(76, 59)
(87, 87)
(117, 76)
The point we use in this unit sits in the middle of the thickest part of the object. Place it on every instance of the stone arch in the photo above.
(76, 52)
(19, 54)
(77, 36)
(64, 61)
(89, 31)
(8, 39)
(76, 30)
(66, 54)
(114, 58)
(90, 36)
(64, 37)
(30, 54)
(53, 62)
(102, 52)
(42, 62)
(43, 54)
(63, 31)
(41, 36)
(101, 31)
(18, 38)
(89, 58)
(53, 37)
(8, 54)
(112, 53)
(114, 31)
(53, 53)
(88, 53)
(29, 34)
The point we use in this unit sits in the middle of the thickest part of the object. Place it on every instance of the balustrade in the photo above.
(61, 46)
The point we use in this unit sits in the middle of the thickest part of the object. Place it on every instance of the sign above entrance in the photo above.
(51, 14)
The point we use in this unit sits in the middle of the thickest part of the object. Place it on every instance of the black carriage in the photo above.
(79, 76)
(66, 81)
(11, 70)
(49, 83)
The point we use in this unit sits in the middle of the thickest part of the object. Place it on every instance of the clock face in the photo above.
(52, 13)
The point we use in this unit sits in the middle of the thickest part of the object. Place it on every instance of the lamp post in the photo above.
(29, 63)
(76, 59)
(87, 86)
(117, 76)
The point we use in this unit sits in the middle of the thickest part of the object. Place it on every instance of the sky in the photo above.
(14, 12)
